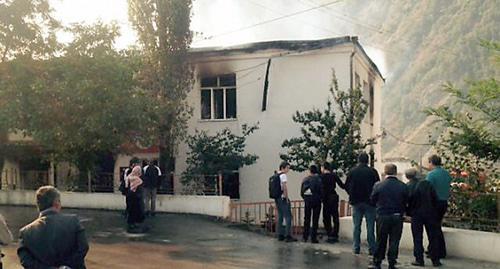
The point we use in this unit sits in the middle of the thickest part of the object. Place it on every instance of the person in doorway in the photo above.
(135, 202)
(390, 197)
(284, 207)
(5, 236)
(359, 186)
(53, 240)
(422, 208)
(440, 180)
(329, 180)
(311, 192)
(152, 174)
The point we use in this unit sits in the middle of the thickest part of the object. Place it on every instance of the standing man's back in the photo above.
(54, 239)
(359, 186)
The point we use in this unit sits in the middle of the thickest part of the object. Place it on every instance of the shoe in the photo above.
(290, 239)
(314, 241)
(304, 240)
(281, 238)
(418, 263)
(436, 263)
(355, 252)
(374, 266)
(392, 266)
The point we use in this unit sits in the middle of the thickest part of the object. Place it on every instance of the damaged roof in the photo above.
(287, 45)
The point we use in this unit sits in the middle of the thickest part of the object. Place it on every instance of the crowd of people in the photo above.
(139, 185)
(384, 204)
(56, 240)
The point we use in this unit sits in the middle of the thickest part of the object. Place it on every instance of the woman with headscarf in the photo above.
(135, 202)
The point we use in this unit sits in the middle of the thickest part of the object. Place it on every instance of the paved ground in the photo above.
(184, 241)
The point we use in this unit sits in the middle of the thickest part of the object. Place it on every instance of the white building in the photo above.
(229, 92)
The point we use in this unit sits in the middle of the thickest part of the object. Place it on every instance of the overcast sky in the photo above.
(229, 22)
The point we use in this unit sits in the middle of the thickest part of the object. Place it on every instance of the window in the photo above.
(357, 81)
(218, 97)
(372, 103)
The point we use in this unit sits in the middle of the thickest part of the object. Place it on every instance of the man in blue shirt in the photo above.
(440, 180)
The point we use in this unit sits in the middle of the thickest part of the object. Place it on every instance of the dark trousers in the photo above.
(432, 227)
(442, 206)
(331, 213)
(135, 207)
(312, 207)
(389, 227)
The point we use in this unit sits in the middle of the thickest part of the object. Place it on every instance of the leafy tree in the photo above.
(471, 141)
(223, 152)
(164, 36)
(331, 134)
(26, 28)
(79, 105)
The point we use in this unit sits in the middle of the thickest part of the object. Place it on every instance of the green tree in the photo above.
(331, 134)
(209, 155)
(79, 105)
(27, 28)
(164, 37)
(471, 141)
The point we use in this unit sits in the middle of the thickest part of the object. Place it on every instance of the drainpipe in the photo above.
(351, 64)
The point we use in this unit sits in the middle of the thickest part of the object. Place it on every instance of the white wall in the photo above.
(218, 206)
(461, 243)
(296, 82)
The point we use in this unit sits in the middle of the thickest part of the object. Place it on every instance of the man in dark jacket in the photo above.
(391, 198)
(152, 174)
(423, 209)
(359, 185)
(329, 180)
(311, 192)
(53, 240)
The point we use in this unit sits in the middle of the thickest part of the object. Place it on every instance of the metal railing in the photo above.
(264, 215)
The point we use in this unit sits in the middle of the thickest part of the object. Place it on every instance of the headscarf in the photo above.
(133, 180)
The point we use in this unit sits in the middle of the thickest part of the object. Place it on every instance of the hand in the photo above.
(64, 267)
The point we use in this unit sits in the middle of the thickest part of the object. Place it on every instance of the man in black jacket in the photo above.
(423, 209)
(311, 192)
(152, 174)
(359, 185)
(329, 180)
(391, 198)
(53, 240)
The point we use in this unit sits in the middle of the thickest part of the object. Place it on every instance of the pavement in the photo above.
(186, 241)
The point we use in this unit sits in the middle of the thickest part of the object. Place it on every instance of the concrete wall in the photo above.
(218, 206)
(461, 243)
(296, 82)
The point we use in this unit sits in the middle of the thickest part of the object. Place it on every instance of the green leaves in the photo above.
(223, 152)
(328, 135)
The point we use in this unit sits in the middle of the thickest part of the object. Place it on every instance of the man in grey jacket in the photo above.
(53, 240)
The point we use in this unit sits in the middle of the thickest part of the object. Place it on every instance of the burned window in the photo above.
(218, 97)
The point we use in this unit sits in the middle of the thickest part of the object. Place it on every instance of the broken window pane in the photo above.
(218, 103)
(227, 80)
(206, 104)
(230, 103)
(209, 82)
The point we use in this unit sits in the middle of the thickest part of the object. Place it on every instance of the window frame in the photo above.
(212, 90)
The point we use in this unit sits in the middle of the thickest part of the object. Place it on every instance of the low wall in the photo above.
(218, 206)
(476, 245)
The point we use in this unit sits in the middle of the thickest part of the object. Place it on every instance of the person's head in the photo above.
(313, 170)
(284, 167)
(136, 171)
(326, 167)
(154, 162)
(363, 158)
(411, 174)
(48, 197)
(434, 161)
(390, 169)
(134, 162)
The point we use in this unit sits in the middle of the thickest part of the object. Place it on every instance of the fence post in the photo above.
(219, 177)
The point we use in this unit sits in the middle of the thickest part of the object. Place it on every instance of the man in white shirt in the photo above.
(284, 207)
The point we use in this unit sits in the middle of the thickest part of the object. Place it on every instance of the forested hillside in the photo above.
(426, 43)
